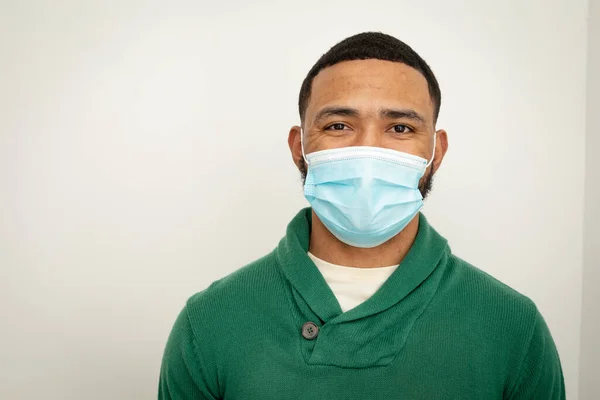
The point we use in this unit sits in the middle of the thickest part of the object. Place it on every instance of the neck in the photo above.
(329, 248)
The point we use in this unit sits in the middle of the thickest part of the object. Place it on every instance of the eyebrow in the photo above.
(335, 112)
(392, 113)
(388, 113)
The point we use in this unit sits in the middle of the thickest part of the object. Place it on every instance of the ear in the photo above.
(295, 144)
(441, 146)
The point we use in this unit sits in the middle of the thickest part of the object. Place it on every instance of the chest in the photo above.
(437, 367)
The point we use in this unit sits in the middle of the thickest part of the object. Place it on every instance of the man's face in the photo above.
(372, 103)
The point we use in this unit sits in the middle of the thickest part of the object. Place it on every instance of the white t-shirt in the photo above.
(352, 286)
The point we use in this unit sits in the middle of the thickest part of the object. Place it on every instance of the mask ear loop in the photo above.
(302, 145)
(433, 155)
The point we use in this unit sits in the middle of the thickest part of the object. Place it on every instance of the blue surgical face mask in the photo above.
(364, 195)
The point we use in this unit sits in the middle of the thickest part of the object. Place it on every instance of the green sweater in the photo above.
(438, 328)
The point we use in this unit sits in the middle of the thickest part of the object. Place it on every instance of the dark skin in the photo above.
(368, 103)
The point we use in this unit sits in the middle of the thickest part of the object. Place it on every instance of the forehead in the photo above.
(371, 84)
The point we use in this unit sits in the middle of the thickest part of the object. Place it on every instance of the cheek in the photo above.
(414, 146)
(327, 142)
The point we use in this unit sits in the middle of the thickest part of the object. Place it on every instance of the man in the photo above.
(362, 298)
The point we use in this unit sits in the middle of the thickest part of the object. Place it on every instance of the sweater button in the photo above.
(310, 330)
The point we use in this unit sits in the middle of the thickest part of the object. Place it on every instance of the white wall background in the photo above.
(590, 349)
(143, 155)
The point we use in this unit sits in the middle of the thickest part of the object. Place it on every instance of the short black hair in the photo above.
(371, 45)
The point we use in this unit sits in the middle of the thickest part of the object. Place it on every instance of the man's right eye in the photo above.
(336, 127)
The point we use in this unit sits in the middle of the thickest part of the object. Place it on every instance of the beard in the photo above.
(425, 184)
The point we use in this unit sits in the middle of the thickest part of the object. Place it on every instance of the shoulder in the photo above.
(478, 286)
(484, 307)
(210, 321)
(508, 326)
(240, 299)
(242, 285)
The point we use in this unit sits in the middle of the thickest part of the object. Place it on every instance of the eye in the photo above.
(338, 126)
(400, 128)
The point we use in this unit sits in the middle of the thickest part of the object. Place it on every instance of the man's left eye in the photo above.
(401, 128)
